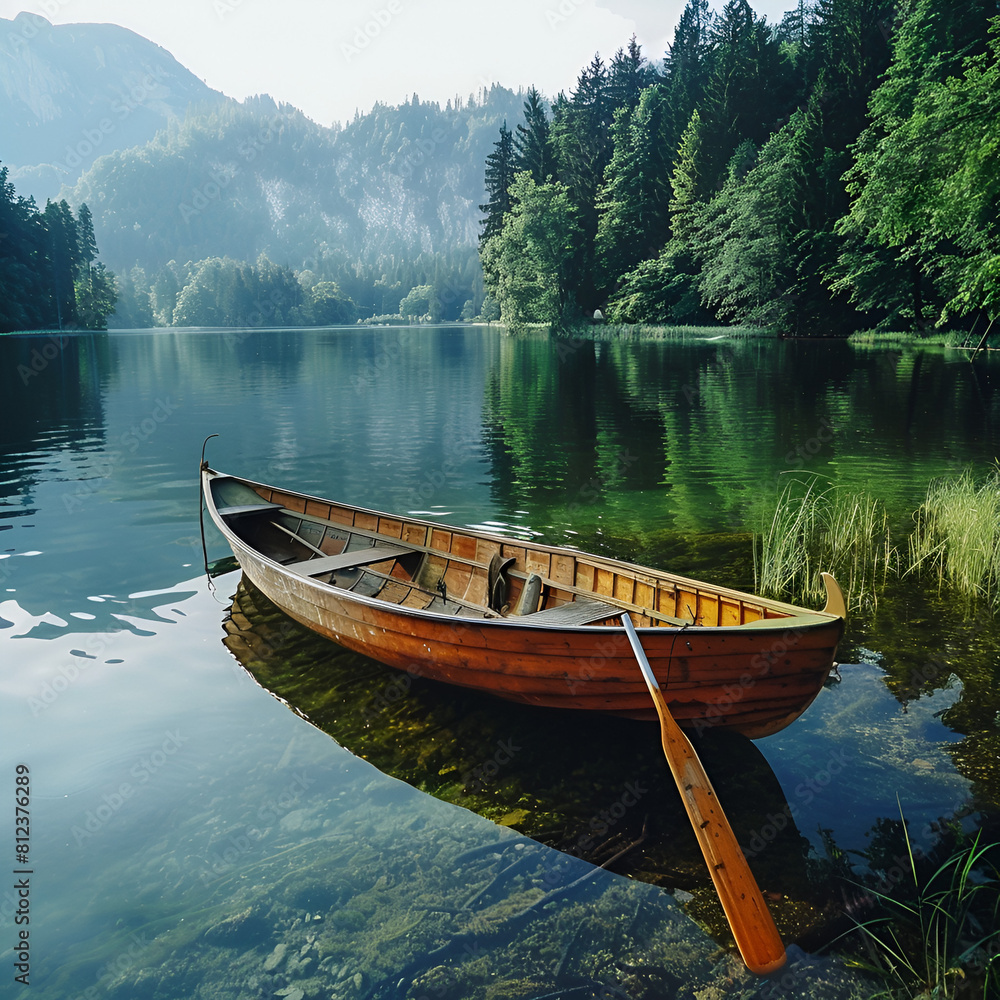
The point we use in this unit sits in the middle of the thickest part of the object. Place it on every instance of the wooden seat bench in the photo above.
(575, 613)
(247, 508)
(347, 560)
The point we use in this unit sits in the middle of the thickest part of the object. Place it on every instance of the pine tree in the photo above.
(86, 240)
(531, 141)
(629, 76)
(686, 187)
(686, 67)
(759, 226)
(634, 201)
(581, 142)
(848, 51)
(24, 296)
(750, 90)
(63, 246)
(500, 170)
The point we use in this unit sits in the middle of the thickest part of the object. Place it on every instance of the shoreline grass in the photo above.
(832, 530)
(906, 338)
(955, 541)
(957, 535)
(657, 332)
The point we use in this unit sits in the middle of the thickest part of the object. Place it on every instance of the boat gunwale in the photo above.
(792, 617)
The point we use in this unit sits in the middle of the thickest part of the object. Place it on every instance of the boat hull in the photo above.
(756, 677)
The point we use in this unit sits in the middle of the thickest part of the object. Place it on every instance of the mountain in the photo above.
(184, 183)
(258, 177)
(74, 92)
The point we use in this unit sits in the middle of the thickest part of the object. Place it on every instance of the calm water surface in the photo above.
(192, 837)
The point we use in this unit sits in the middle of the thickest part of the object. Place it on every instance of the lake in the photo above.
(191, 836)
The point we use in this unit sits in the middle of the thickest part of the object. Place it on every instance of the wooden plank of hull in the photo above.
(562, 668)
(756, 675)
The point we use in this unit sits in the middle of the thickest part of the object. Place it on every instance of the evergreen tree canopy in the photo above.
(500, 169)
(634, 203)
(48, 278)
(531, 141)
(932, 128)
(836, 169)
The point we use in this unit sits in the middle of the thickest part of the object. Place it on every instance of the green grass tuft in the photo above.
(957, 535)
(814, 530)
(940, 939)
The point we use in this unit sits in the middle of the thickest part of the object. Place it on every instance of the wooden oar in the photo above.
(747, 913)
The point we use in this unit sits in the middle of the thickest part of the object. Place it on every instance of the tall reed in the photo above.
(957, 535)
(814, 530)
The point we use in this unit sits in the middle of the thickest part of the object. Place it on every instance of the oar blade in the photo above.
(749, 918)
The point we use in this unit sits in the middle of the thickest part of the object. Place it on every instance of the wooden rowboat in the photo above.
(531, 623)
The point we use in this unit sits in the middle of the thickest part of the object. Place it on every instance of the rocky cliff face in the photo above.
(71, 93)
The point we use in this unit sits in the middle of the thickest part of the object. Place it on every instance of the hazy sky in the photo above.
(331, 57)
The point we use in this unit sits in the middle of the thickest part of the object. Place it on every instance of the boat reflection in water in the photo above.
(590, 785)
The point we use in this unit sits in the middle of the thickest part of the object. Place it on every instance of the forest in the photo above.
(833, 172)
(248, 213)
(50, 277)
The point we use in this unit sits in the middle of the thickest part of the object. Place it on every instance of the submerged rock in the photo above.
(276, 957)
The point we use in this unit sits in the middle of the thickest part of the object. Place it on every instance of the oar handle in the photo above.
(751, 922)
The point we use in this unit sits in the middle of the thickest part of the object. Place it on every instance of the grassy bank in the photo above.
(906, 338)
(650, 331)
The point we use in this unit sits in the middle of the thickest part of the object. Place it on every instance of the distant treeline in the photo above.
(50, 277)
(834, 171)
(219, 291)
